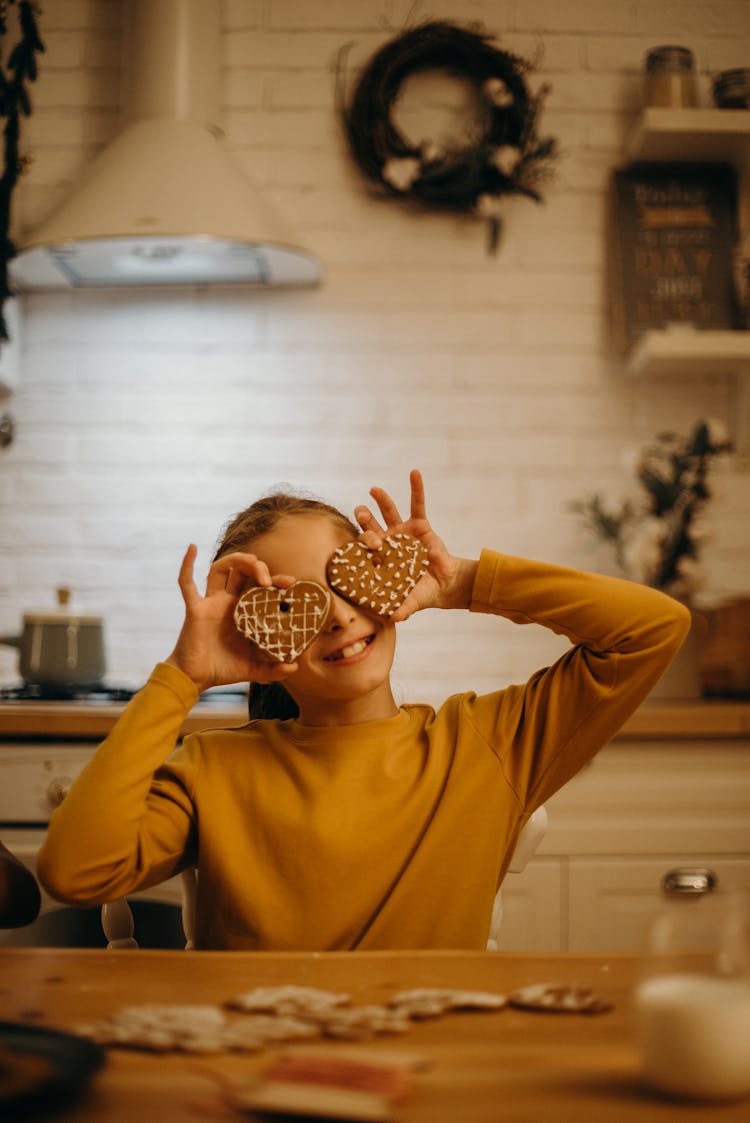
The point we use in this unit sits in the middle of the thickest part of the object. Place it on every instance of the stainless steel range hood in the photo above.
(166, 202)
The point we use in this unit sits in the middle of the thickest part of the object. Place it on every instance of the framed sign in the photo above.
(674, 231)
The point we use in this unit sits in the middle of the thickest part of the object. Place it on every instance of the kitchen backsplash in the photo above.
(145, 420)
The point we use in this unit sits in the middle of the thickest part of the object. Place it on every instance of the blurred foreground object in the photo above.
(20, 899)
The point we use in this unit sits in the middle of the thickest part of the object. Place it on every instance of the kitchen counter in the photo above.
(477, 1067)
(661, 719)
(93, 720)
(686, 719)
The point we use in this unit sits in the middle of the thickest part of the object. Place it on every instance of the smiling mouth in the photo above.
(350, 650)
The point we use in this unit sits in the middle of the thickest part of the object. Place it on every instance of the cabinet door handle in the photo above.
(689, 882)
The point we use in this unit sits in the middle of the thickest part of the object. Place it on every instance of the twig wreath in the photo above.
(20, 68)
(508, 159)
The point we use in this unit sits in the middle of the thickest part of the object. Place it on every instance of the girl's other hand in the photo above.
(449, 580)
(210, 650)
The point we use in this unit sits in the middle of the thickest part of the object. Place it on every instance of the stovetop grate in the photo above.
(33, 692)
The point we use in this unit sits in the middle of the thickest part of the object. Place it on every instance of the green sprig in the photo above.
(15, 103)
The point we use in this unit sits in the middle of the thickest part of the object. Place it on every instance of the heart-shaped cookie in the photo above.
(283, 622)
(378, 579)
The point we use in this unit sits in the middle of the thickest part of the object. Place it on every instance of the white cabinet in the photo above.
(533, 908)
(638, 811)
(611, 901)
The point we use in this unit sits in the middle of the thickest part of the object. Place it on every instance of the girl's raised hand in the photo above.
(210, 650)
(448, 581)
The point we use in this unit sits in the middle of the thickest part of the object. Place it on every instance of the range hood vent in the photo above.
(166, 202)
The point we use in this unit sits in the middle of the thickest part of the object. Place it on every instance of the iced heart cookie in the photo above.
(283, 622)
(378, 579)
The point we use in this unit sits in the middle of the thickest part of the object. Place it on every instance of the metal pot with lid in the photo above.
(59, 650)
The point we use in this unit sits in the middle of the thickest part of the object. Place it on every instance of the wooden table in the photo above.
(482, 1067)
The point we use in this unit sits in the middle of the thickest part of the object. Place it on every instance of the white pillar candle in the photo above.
(694, 1035)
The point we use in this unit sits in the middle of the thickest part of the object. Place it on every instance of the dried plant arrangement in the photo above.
(470, 175)
(657, 532)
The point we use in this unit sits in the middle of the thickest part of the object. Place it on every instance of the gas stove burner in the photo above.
(34, 692)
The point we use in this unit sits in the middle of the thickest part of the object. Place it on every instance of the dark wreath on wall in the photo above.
(510, 158)
(19, 69)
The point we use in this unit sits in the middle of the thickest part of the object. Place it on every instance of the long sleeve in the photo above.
(624, 636)
(94, 849)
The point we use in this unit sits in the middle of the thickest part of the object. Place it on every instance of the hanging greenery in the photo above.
(19, 69)
(509, 158)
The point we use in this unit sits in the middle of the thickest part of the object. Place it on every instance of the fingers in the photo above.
(185, 575)
(418, 509)
(234, 572)
(368, 522)
(388, 508)
(234, 583)
(371, 539)
(406, 609)
(248, 565)
(389, 511)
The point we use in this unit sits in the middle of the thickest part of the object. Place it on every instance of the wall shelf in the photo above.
(690, 136)
(687, 351)
(697, 136)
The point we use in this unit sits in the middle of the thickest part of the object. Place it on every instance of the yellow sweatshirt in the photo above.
(386, 834)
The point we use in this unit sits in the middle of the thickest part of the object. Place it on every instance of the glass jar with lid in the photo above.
(670, 78)
(731, 88)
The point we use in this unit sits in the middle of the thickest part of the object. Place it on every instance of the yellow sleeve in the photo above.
(624, 636)
(112, 834)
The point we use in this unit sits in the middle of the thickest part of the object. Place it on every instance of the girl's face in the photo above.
(344, 675)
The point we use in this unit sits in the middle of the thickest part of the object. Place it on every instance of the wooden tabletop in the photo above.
(487, 1067)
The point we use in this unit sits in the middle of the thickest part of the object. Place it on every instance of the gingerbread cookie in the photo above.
(380, 579)
(357, 1023)
(431, 1002)
(161, 1029)
(195, 1029)
(559, 998)
(283, 622)
(297, 1001)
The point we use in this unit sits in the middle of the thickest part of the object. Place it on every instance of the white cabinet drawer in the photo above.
(612, 901)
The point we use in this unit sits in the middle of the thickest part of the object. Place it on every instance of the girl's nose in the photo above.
(341, 613)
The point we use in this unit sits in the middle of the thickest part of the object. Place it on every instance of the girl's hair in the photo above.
(272, 700)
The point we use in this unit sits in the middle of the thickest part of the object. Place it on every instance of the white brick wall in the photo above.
(145, 421)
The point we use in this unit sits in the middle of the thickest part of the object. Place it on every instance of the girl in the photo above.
(337, 819)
